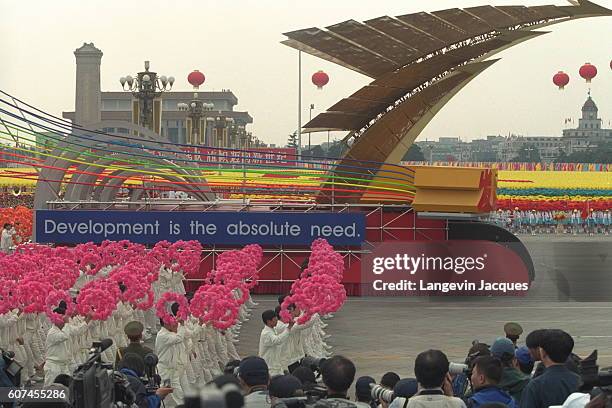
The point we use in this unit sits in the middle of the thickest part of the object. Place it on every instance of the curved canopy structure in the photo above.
(418, 62)
(92, 182)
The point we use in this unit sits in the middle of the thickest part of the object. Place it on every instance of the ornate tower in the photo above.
(589, 120)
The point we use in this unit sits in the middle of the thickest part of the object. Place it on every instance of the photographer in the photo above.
(557, 382)
(363, 392)
(435, 390)
(254, 377)
(133, 367)
(486, 376)
(338, 373)
(512, 380)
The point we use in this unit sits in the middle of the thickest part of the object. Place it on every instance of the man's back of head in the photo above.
(338, 373)
(558, 345)
(430, 368)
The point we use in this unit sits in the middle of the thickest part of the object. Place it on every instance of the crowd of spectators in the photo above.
(10, 200)
(543, 372)
(534, 222)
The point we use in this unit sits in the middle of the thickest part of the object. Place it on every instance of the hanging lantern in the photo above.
(196, 78)
(320, 79)
(561, 79)
(588, 72)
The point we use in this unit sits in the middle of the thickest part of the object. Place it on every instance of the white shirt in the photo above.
(58, 345)
(295, 342)
(6, 242)
(271, 349)
(170, 349)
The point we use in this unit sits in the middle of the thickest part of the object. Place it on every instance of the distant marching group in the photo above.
(553, 222)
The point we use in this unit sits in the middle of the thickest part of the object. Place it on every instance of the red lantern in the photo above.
(588, 72)
(320, 79)
(561, 79)
(196, 78)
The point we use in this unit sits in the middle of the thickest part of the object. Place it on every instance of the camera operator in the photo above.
(254, 377)
(285, 386)
(486, 376)
(133, 330)
(557, 382)
(402, 391)
(132, 365)
(363, 392)
(435, 390)
(338, 373)
(306, 376)
(513, 380)
(388, 380)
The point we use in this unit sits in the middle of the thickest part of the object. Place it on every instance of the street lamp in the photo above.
(196, 110)
(309, 120)
(145, 88)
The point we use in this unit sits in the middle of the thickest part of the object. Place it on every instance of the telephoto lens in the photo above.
(457, 368)
(381, 393)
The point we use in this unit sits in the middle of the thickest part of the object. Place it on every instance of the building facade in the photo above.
(117, 106)
(224, 127)
(590, 133)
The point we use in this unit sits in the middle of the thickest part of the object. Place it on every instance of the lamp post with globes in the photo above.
(196, 111)
(146, 87)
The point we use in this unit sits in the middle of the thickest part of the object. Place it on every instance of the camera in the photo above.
(11, 368)
(458, 368)
(313, 363)
(96, 385)
(380, 393)
(228, 396)
(152, 380)
(592, 376)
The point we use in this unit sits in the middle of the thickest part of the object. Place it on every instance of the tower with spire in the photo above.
(589, 134)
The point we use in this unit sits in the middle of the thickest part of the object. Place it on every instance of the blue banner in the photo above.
(223, 228)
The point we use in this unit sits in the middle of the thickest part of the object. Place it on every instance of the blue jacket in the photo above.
(491, 394)
(142, 399)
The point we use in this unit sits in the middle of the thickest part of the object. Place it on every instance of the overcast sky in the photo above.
(237, 45)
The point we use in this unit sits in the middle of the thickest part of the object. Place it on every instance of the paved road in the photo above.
(382, 334)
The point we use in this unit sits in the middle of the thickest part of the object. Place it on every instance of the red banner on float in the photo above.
(273, 156)
(444, 268)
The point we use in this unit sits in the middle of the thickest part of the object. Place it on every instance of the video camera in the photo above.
(313, 363)
(592, 376)
(228, 396)
(96, 385)
(11, 368)
(152, 380)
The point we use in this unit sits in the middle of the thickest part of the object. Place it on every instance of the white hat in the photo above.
(575, 400)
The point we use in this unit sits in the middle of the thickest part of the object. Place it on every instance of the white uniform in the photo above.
(271, 347)
(6, 242)
(170, 349)
(58, 351)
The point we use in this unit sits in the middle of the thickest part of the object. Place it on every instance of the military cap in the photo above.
(513, 329)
